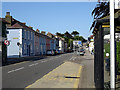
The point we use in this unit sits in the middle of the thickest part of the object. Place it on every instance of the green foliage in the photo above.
(107, 49)
(59, 34)
(68, 35)
(79, 38)
(69, 38)
(118, 54)
(75, 33)
(70, 43)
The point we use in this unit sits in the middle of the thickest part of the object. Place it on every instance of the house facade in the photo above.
(61, 45)
(21, 38)
(37, 49)
(48, 39)
(43, 44)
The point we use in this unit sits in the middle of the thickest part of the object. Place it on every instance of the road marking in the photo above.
(71, 58)
(77, 80)
(33, 64)
(74, 58)
(16, 70)
(43, 61)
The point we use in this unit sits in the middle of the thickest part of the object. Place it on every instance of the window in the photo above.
(7, 32)
(28, 35)
(25, 48)
(25, 34)
(31, 35)
(31, 48)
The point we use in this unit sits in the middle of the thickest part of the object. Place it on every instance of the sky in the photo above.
(53, 16)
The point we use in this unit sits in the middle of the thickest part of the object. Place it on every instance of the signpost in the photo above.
(79, 42)
(6, 42)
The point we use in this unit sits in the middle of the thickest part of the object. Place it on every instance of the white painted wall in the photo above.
(13, 37)
(91, 46)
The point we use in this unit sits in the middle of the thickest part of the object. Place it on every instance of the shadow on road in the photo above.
(18, 60)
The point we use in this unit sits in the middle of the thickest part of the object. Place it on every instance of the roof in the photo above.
(3, 20)
(17, 24)
(106, 21)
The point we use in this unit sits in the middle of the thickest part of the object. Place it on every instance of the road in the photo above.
(25, 73)
(22, 74)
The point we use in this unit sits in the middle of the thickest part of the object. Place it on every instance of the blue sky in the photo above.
(53, 16)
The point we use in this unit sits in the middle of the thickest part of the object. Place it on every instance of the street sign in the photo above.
(6, 42)
(79, 42)
(117, 4)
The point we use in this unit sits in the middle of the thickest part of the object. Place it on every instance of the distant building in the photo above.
(91, 43)
(48, 43)
(61, 44)
(76, 44)
(52, 41)
(37, 43)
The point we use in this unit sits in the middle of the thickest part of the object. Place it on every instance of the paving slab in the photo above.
(66, 75)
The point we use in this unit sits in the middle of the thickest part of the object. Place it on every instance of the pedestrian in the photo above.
(92, 52)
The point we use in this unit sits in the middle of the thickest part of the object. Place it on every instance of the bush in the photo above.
(118, 54)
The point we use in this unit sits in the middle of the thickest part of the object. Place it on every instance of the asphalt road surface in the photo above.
(22, 74)
(25, 73)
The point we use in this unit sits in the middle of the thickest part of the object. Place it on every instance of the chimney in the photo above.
(8, 18)
(37, 30)
(30, 27)
(43, 32)
(24, 23)
(7, 13)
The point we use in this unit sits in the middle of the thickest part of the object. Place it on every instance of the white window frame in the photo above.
(25, 34)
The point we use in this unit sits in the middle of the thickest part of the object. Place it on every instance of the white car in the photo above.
(50, 52)
(81, 52)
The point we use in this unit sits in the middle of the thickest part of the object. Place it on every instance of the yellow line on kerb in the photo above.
(77, 80)
(46, 75)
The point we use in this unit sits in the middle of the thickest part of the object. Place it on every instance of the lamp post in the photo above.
(112, 46)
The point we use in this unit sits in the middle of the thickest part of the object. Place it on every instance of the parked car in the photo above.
(55, 52)
(81, 52)
(58, 51)
(50, 52)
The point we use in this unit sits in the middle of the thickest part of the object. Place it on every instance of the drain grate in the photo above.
(71, 77)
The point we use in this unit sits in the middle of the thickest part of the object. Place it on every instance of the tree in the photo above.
(75, 33)
(81, 38)
(68, 35)
(101, 10)
(70, 43)
(59, 34)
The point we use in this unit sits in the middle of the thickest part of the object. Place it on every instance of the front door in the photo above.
(28, 50)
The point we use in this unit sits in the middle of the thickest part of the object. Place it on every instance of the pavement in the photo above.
(66, 75)
(87, 74)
